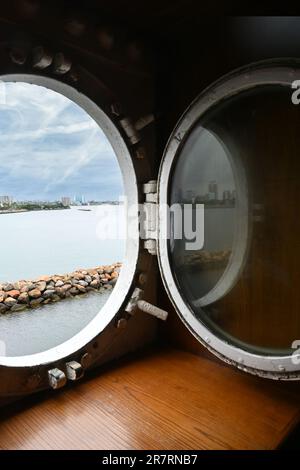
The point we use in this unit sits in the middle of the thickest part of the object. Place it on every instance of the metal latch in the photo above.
(149, 228)
(136, 301)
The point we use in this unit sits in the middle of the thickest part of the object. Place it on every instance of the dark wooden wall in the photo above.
(197, 52)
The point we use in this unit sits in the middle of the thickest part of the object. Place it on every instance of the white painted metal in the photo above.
(261, 74)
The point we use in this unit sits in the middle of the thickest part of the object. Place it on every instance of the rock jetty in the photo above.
(203, 259)
(21, 295)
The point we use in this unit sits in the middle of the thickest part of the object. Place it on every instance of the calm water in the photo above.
(37, 330)
(59, 241)
(219, 229)
(50, 242)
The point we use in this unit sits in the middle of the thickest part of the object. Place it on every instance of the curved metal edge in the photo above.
(276, 71)
(124, 284)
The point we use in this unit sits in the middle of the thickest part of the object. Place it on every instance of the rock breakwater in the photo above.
(21, 295)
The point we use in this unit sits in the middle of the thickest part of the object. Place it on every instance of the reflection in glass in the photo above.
(208, 181)
(242, 162)
(60, 184)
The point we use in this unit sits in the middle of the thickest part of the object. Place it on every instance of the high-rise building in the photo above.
(226, 195)
(79, 199)
(190, 196)
(213, 189)
(5, 201)
(66, 201)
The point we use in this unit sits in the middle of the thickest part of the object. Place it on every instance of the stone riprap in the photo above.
(21, 295)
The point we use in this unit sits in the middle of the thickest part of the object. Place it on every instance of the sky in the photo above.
(50, 147)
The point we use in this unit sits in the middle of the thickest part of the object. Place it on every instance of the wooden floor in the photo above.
(166, 399)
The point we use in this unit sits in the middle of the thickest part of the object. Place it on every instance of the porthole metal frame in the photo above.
(16, 368)
(275, 72)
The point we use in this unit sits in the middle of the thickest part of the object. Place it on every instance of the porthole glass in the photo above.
(241, 161)
(62, 218)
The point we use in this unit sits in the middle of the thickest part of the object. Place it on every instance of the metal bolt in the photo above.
(41, 58)
(122, 323)
(130, 130)
(57, 378)
(61, 64)
(74, 370)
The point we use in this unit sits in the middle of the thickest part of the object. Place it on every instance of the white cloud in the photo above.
(48, 142)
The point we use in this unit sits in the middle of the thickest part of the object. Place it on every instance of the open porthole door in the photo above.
(228, 225)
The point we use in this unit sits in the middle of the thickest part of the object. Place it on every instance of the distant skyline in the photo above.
(50, 148)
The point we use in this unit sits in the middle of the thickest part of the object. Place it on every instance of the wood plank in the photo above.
(168, 399)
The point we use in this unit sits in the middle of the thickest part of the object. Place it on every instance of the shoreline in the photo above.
(27, 294)
(13, 211)
(84, 208)
(17, 211)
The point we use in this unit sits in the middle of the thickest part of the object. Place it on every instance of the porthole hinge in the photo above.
(149, 220)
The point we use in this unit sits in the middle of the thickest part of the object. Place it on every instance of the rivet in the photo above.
(240, 360)
(121, 323)
(86, 360)
(207, 339)
(140, 153)
(142, 278)
(281, 368)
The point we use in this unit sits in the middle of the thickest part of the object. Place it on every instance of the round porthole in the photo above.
(64, 167)
(234, 153)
